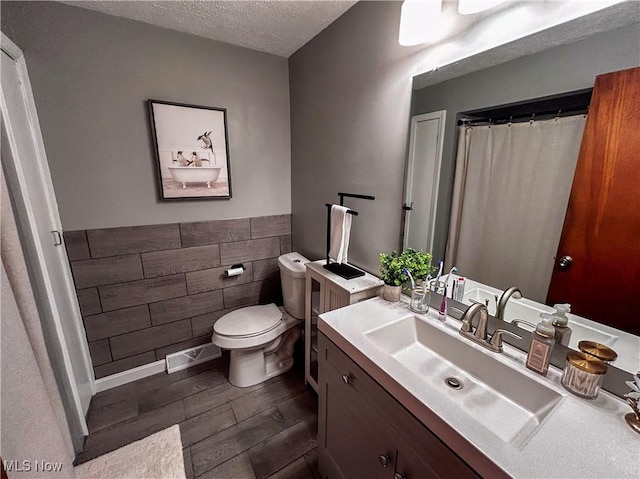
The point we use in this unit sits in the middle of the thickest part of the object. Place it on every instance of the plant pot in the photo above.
(391, 293)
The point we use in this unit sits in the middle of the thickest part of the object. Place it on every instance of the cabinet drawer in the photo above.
(359, 387)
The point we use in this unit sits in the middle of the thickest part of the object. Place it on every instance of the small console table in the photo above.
(326, 291)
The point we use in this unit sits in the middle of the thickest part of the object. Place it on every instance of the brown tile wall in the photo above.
(147, 291)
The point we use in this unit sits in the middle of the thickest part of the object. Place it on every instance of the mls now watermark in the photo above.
(31, 466)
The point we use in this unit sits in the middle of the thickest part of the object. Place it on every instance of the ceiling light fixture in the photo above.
(468, 7)
(420, 21)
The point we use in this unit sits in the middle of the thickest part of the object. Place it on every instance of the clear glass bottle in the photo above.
(542, 341)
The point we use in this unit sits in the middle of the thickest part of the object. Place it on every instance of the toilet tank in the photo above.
(292, 277)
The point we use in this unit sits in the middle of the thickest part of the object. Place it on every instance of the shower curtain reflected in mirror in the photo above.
(510, 196)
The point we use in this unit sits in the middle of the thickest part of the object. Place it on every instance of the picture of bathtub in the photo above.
(190, 174)
(191, 150)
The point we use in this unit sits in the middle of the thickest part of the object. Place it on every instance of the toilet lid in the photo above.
(248, 321)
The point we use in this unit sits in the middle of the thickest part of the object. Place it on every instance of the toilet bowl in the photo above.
(262, 338)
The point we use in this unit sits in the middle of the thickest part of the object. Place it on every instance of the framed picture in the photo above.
(192, 150)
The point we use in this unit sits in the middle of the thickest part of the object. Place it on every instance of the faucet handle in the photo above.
(496, 339)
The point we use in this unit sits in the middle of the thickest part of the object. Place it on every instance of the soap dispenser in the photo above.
(542, 341)
(560, 323)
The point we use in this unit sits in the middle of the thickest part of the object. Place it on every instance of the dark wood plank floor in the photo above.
(264, 431)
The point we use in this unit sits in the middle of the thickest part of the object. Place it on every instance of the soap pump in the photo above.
(560, 323)
(542, 341)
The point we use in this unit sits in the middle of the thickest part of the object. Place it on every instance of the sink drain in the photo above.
(453, 383)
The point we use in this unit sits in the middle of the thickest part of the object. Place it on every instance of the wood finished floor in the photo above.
(264, 431)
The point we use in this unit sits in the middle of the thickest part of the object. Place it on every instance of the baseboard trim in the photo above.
(130, 375)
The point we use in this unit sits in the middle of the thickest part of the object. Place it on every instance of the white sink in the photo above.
(521, 309)
(479, 295)
(502, 399)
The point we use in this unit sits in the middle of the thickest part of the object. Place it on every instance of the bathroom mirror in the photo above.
(449, 161)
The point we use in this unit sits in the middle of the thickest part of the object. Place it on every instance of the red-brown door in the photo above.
(601, 232)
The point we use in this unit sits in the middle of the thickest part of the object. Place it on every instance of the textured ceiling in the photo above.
(278, 27)
(468, 42)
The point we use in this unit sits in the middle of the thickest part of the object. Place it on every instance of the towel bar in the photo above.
(342, 269)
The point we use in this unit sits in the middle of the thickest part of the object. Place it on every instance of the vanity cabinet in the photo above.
(326, 291)
(364, 432)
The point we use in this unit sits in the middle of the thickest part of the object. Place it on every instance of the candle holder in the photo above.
(632, 398)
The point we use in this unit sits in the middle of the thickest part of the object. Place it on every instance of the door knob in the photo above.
(565, 263)
(400, 475)
(346, 378)
(385, 460)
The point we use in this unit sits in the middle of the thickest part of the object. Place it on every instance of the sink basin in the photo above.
(518, 309)
(479, 295)
(502, 399)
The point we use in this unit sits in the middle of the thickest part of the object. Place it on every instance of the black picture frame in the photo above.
(191, 151)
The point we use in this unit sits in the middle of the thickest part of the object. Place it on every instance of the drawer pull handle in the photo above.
(346, 378)
(400, 475)
(385, 460)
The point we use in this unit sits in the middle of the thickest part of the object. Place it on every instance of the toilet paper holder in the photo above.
(235, 270)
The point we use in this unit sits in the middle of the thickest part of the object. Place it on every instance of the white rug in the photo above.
(158, 456)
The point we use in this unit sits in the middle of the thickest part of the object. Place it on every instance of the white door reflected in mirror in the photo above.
(423, 177)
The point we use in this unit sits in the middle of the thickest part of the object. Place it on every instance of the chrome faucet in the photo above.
(480, 334)
(509, 293)
(518, 322)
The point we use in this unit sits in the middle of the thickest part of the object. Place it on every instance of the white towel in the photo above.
(340, 232)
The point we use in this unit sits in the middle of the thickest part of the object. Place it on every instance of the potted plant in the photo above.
(418, 262)
(393, 269)
(391, 272)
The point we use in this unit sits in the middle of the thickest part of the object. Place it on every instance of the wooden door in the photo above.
(601, 231)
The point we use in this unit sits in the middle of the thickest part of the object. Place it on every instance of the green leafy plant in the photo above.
(418, 262)
(391, 269)
(393, 265)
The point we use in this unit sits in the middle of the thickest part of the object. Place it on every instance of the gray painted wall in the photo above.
(562, 69)
(350, 93)
(91, 75)
(350, 111)
(350, 103)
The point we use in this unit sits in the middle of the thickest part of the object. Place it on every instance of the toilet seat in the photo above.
(248, 322)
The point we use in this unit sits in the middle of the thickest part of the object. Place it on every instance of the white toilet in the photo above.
(262, 338)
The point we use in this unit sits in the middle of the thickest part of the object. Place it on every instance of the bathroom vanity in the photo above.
(403, 395)
(365, 432)
(326, 291)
